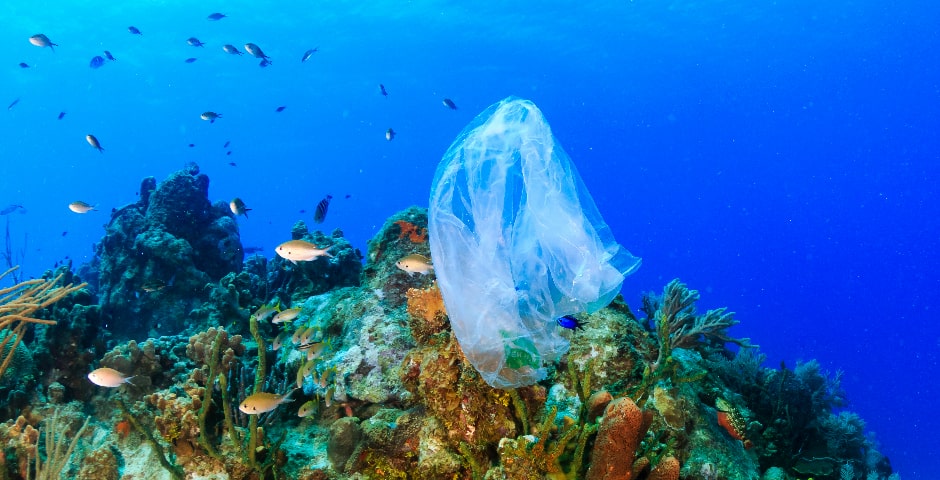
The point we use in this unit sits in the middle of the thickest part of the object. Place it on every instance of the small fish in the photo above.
(382, 90)
(190, 60)
(93, 141)
(79, 206)
(301, 251)
(286, 315)
(108, 377)
(232, 164)
(61, 115)
(278, 341)
(295, 338)
(231, 49)
(389, 134)
(193, 41)
(264, 402)
(306, 338)
(308, 408)
(229, 153)
(134, 30)
(300, 378)
(96, 61)
(191, 145)
(348, 196)
(10, 209)
(210, 116)
(227, 143)
(320, 214)
(314, 350)
(570, 322)
(450, 104)
(24, 65)
(238, 207)
(265, 311)
(216, 16)
(41, 40)
(13, 104)
(308, 54)
(65, 233)
(415, 263)
(328, 397)
(264, 63)
(280, 109)
(255, 51)
(154, 285)
(108, 55)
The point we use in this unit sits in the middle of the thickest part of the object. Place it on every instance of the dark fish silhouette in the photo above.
(10, 209)
(108, 55)
(191, 145)
(308, 54)
(61, 114)
(134, 30)
(232, 49)
(450, 104)
(24, 65)
(229, 153)
(280, 109)
(216, 16)
(382, 90)
(13, 104)
(389, 134)
(195, 42)
(96, 61)
(232, 164)
(320, 214)
(93, 141)
(264, 62)
(255, 51)
(190, 60)
(227, 143)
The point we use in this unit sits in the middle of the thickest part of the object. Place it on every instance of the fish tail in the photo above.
(287, 398)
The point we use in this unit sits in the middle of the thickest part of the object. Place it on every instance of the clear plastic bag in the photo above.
(517, 242)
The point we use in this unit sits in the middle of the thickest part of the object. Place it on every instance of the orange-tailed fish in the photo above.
(79, 206)
(108, 377)
(264, 402)
(415, 264)
(301, 251)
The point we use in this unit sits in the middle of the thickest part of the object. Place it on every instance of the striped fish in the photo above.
(320, 215)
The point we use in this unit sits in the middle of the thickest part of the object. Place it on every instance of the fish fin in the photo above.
(246, 212)
(287, 398)
(128, 380)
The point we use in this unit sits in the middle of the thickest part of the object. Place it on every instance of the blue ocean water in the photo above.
(780, 157)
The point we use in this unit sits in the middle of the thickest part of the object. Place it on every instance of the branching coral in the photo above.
(17, 306)
(59, 445)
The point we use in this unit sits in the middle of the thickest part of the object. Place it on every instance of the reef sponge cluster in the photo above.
(369, 380)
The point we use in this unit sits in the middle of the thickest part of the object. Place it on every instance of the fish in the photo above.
(301, 251)
(278, 341)
(263, 402)
(450, 104)
(96, 61)
(10, 209)
(389, 134)
(300, 378)
(79, 206)
(306, 338)
(308, 54)
(65, 233)
(43, 41)
(232, 49)
(280, 109)
(328, 396)
(190, 60)
(320, 214)
(191, 145)
(227, 143)
(255, 51)
(286, 315)
(194, 42)
(570, 322)
(61, 115)
(216, 16)
(308, 408)
(383, 91)
(415, 263)
(24, 65)
(154, 285)
(238, 207)
(210, 116)
(93, 141)
(315, 349)
(13, 104)
(108, 377)
(108, 55)
(264, 62)
(264, 311)
(134, 30)
(295, 338)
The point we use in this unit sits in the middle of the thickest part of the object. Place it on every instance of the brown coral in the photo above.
(414, 233)
(427, 313)
(618, 438)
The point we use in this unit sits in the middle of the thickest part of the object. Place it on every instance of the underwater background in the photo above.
(779, 157)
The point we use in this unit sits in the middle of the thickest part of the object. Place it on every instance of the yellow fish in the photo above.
(301, 251)
(308, 408)
(278, 341)
(263, 402)
(80, 207)
(415, 264)
(264, 311)
(286, 315)
(295, 338)
(308, 336)
(108, 377)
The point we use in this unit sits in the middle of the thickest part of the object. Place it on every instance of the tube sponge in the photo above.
(517, 242)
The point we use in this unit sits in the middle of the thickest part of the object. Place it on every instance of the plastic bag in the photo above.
(517, 242)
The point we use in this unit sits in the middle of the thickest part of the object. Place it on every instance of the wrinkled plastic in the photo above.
(517, 241)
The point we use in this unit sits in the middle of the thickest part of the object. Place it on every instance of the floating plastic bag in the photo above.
(517, 242)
